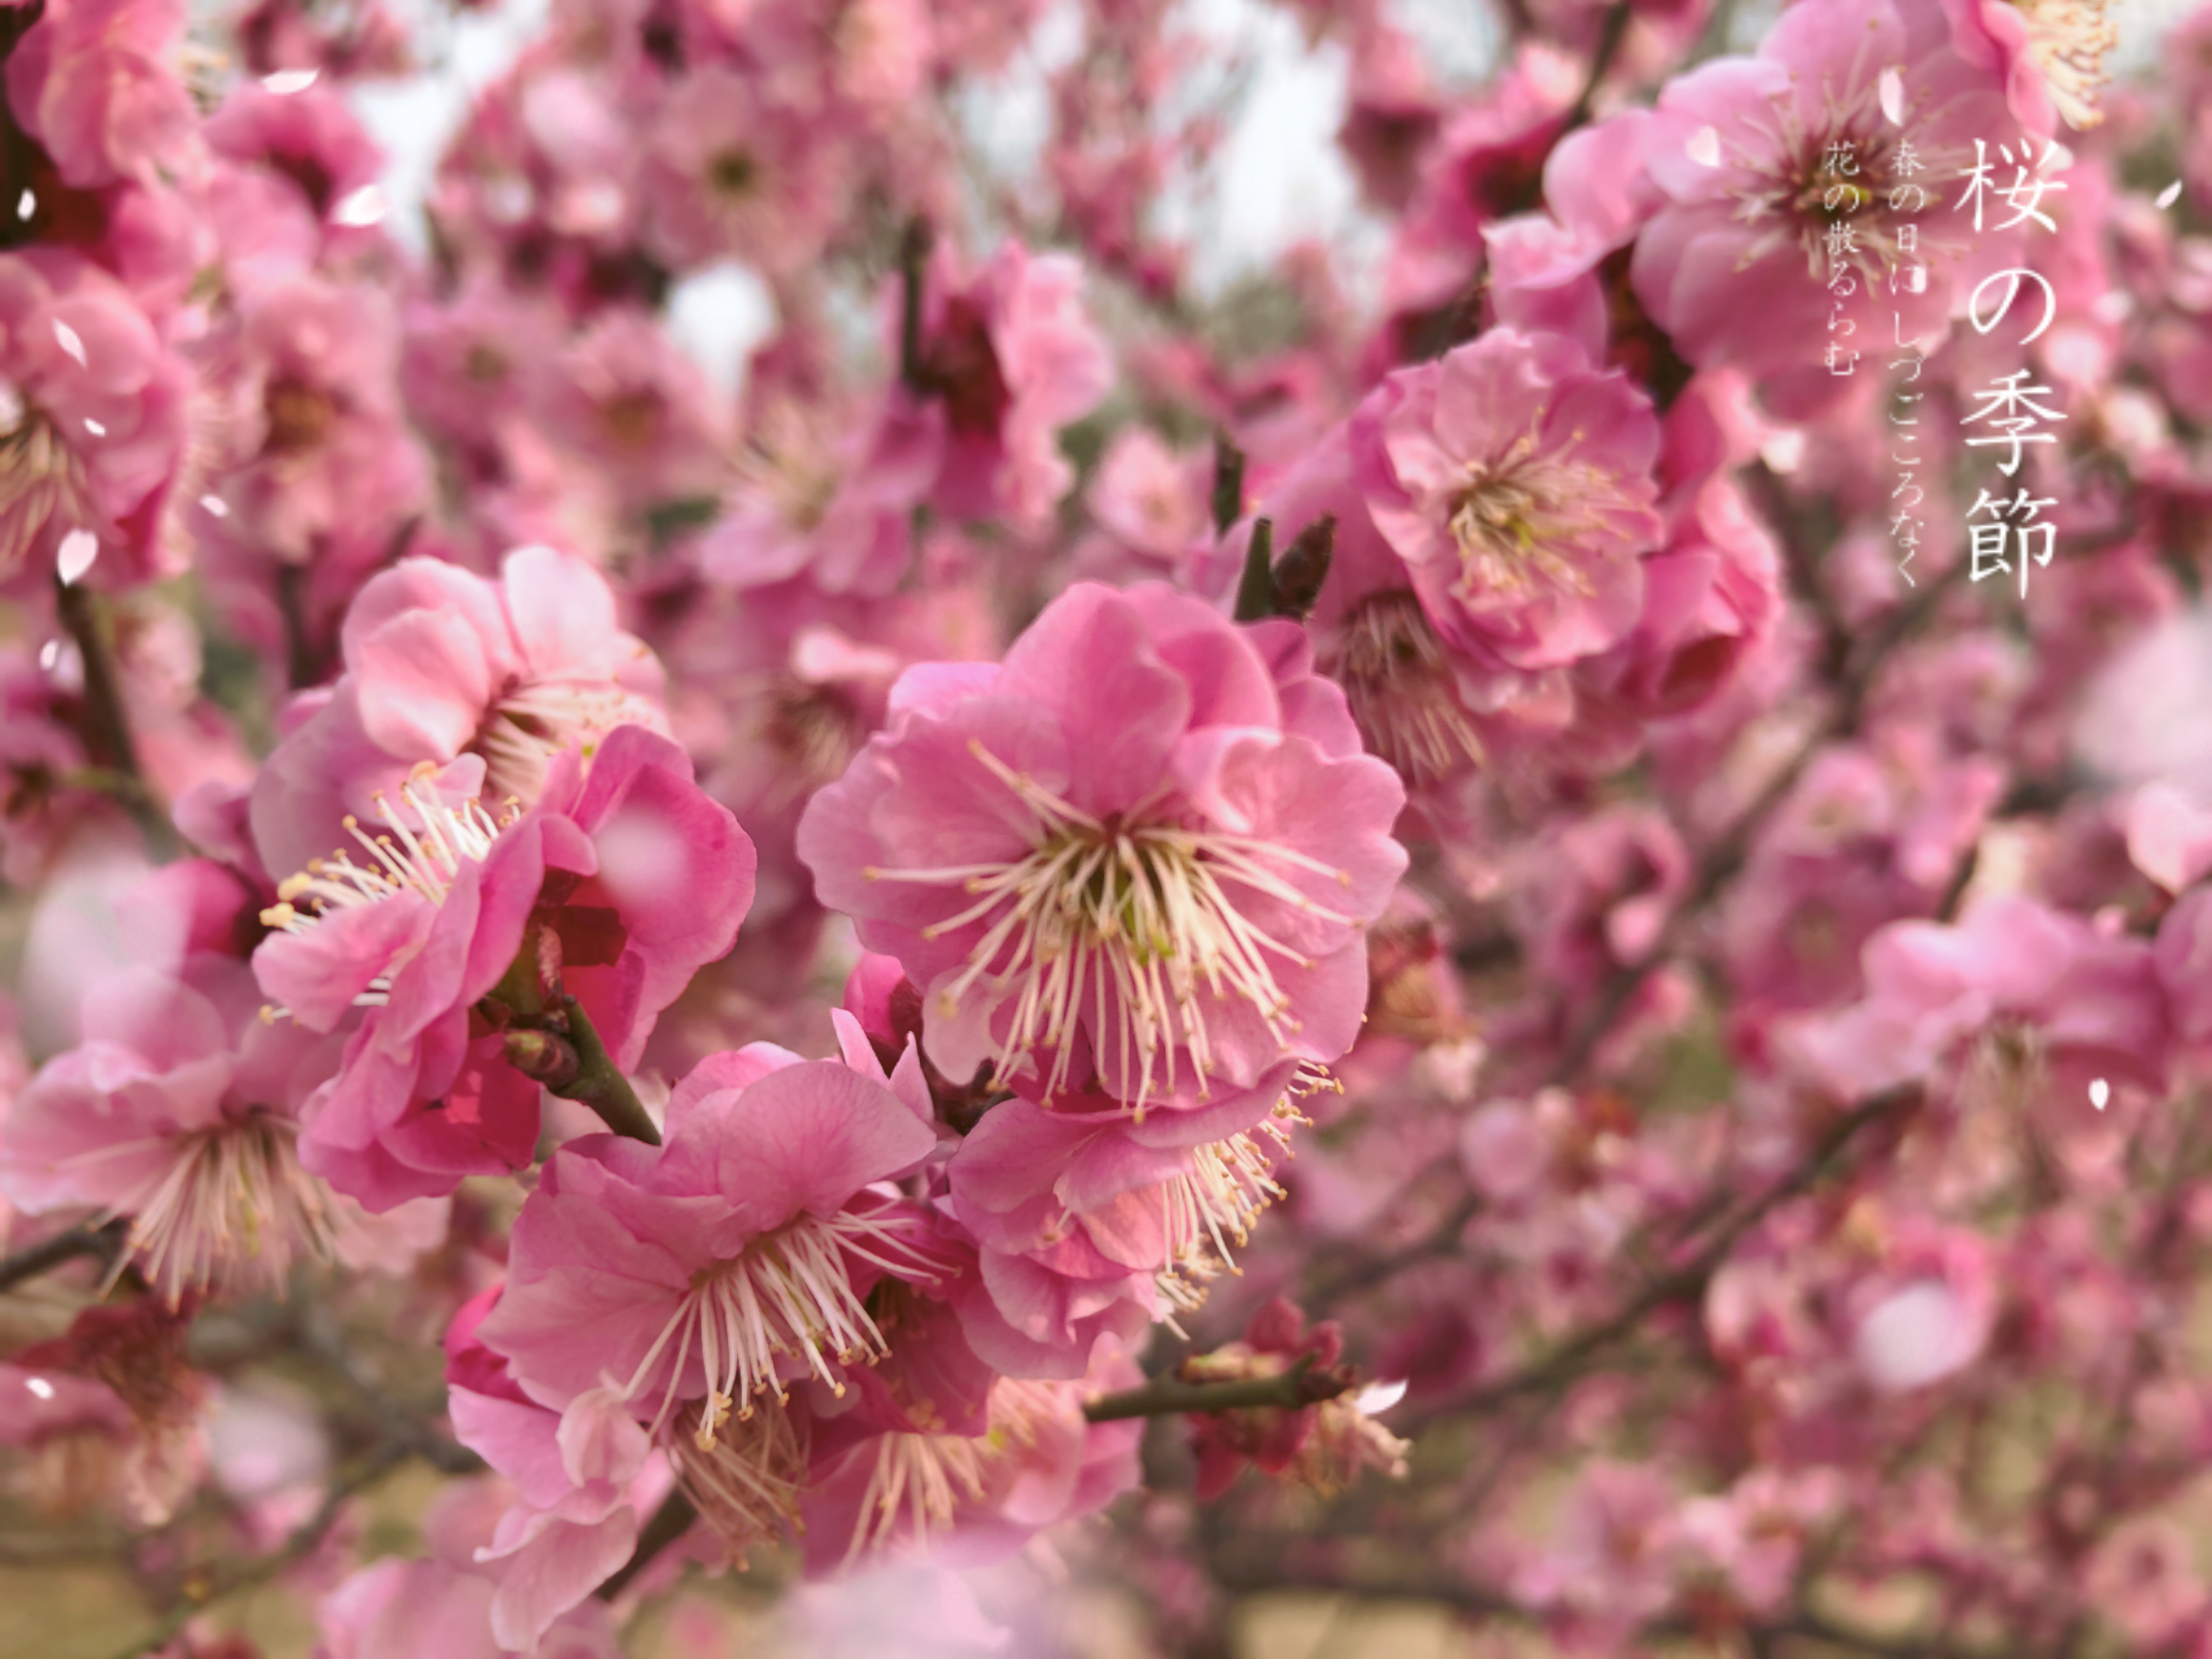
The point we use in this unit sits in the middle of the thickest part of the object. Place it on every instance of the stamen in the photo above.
(1126, 920)
(427, 860)
(790, 1294)
(744, 1484)
(232, 1212)
(1399, 684)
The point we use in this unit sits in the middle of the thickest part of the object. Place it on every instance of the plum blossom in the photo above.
(91, 419)
(637, 878)
(1516, 483)
(1169, 902)
(712, 1275)
(441, 663)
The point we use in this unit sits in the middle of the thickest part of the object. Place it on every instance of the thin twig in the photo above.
(599, 1082)
(251, 1575)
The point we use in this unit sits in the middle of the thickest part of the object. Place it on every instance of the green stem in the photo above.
(600, 1085)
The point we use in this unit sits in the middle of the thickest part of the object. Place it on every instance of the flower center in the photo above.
(1516, 521)
(534, 720)
(2068, 40)
(1126, 920)
(232, 1212)
(41, 479)
(1400, 687)
(744, 1484)
(424, 858)
(788, 1294)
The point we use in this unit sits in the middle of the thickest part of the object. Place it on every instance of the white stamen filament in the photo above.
(1516, 519)
(1138, 912)
(919, 1479)
(790, 1294)
(231, 1213)
(42, 479)
(1399, 684)
(745, 1482)
(2067, 39)
(426, 860)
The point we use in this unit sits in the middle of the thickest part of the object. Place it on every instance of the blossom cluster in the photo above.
(1345, 935)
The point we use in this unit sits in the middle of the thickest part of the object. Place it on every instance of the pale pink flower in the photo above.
(639, 410)
(730, 174)
(1516, 481)
(180, 1110)
(1735, 265)
(1142, 849)
(398, 1609)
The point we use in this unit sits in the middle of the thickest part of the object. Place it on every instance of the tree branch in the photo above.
(666, 1524)
(62, 1248)
(1168, 1396)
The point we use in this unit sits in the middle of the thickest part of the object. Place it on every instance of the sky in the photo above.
(1280, 177)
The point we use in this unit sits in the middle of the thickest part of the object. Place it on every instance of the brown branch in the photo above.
(105, 724)
(1611, 32)
(1303, 1384)
(102, 1243)
(913, 254)
(202, 1593)
(666, 1524)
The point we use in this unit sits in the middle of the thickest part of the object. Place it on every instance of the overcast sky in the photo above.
(1280, 179)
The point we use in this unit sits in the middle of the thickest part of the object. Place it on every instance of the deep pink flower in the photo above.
(91, 420)
(1516, 483)
(638, 874)
(1141, 849)
(1087, 1223)
(309, 138)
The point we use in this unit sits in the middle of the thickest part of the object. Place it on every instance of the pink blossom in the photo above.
(640, 877)
(309, 138)
(180, 1110)
(1169, 905)
(1011, 358)
(1515, 481)
(969, 1500)
(733, 1261)
(2050, 58)
(92, 81)
(91, 419)
(728, 171)
(2090, 1002)
(583, 1479)
(1755, 223)
(441, 665)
